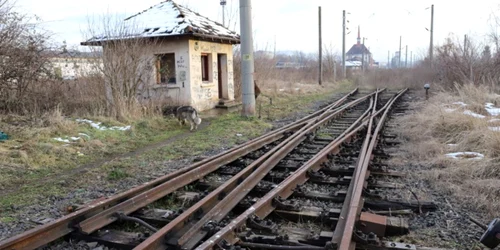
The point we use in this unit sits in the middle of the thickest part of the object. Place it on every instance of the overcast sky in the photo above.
(293, 23)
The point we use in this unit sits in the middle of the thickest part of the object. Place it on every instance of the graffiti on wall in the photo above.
(181, 63)
(215, 72)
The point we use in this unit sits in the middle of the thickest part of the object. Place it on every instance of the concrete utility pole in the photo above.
(363, 56)
(334, 71)
(406, 57)
(411, 59)
(399, 59)
(274, 54)
(465, 45)
(431, 47)
(223, 4)
(320, 59)
(247, 60)
(344, 74)
(388, 59)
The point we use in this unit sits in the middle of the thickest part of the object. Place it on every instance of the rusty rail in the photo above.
(51, 231)
(56, 229)
(353, 203)
(238, 186)
(264, 206)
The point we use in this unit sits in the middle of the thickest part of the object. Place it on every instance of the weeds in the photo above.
(441, 127)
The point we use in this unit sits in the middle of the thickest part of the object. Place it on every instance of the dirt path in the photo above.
(86, 167)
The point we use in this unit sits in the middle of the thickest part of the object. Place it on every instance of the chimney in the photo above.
(359, 36)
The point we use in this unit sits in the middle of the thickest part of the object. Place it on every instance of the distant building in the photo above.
(289, 65)
(357, 52)
(70, 65)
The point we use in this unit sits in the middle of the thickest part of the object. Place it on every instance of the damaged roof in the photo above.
(169, 19)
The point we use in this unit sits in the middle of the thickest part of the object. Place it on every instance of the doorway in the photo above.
(222, 76)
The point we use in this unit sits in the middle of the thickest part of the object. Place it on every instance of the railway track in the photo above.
(302, 186)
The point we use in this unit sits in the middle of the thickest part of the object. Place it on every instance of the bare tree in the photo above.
(23, 58)
(127, 60)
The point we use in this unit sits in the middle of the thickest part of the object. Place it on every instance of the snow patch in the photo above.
(460, 103)
(465, 155)
(98, 126)
(468, 112)
(70, 140)
(490, 107)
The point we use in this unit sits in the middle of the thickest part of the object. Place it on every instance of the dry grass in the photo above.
(430, 131)
(32, 152)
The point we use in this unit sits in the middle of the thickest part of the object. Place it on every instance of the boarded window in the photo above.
(165, 68)
(205, 67)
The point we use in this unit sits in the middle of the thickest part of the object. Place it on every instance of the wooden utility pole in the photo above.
(399, 59)
(406, 57)
(363, 56)
(465, 45)
(334, 71)
(411, 59)
(388, 59)
(320, 77)
(431, 47)
(344, 74)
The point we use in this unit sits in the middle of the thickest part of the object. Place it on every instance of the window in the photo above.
(165, 68)
(205, 67)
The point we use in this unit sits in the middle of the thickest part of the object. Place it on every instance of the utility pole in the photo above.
(335, 71)
(363, 56)
(247, 60)
(399, 59)
(465, 45)
(431, 47)
(274, 54)
(406, 57)
(223, 4)
(344, 75)
(388, 58)
(411, 59)
(320, 59)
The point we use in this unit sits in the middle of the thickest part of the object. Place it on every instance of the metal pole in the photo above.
(363, 56)
(406, 57)
(344, 74)
(334, 71)
(320, 59)
(247, 60)
(388, 59)
(431, 47)
(465, 45)
(411, 59)
(223, 4)
(399, 59)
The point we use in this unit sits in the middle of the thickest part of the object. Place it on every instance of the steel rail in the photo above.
(355, 201)
(264, 206)
(236, 187)
(236, 195)
(130, 205)
(337, 234)
(58, 228)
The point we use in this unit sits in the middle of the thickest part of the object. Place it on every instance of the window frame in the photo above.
(206, 74)
(158, 65)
